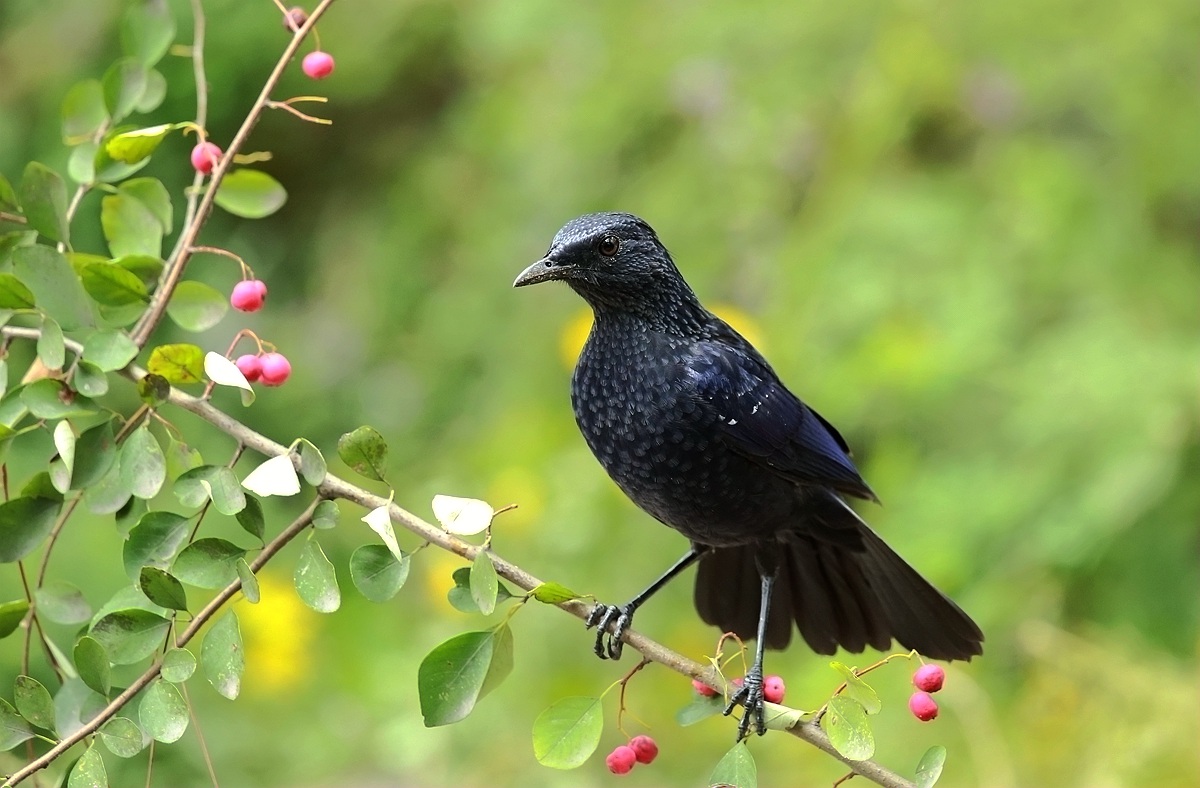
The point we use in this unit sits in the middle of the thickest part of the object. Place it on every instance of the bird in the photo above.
(697, 429)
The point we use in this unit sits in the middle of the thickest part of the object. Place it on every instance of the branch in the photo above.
(335, 488)
(141, 682)
(187, 239)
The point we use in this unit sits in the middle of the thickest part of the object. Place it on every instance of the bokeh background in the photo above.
(968, 234)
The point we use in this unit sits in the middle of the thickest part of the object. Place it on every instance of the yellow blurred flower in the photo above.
(438, 566)
(575, 332)
(277, 633)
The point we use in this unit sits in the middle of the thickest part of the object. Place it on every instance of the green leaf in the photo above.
(251, 517)
(151, 193)
(316, 580)
(553, 593)
(130, 635)
(130, 227)
(111, 285)
(13, 727)
(130, 147)
(845, 721)
(153, 389)
(162, 589)
(50, 347)
(208, 563)
(81, 164)
(14, 294)
(460, 596)
(24, 523)
(312, 463)
(163, 712)
(105, 168)
(325, 516)
(83, 111)
(44, 198)
(223, 657)
(858, 689)
(249, 581)
(781, 718)
(182, 458)
(211, 482)
(178, 665)
(700, 707)
(123, 84)
(154, 94)
(8, 196)
(451, 677)
(250, 194)
(365, 451)
(52, 399)
(178, 363)
(502, 659)
(566, 734)
(153, 541)
(376, 573)
(34, 702)
(122, 737)
(62, 603)
(89, 380)
(143, 266)
(91, 660)
(88, 771)
(196, 306)
(485, 585)
(54, 284)
(929, 768)
(143, 467)
(148, 31)
(110, 350)
(736, 769)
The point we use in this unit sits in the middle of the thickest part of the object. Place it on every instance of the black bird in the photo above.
(696, 428)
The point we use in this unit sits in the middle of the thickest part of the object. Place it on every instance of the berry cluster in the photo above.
(641, 749)
(927, 679)
(773, 688)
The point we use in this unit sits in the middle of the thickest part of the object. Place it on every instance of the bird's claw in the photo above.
(750, 697)
(612, 621)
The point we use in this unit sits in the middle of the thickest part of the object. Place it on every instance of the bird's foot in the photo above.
(611, 622)
(750, 697)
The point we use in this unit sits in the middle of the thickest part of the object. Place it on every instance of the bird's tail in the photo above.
(837, 593)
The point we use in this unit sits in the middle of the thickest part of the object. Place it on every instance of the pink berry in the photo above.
(645, 748)
(929, 678)
(923, 706)
(250, 366)
(275, 369)
(317, 65)
(295, 18)
(703, 689)
(204, 157)
(773, 689)
(248, 295)
(621, 760)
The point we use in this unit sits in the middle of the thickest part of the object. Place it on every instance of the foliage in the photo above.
(966, 235)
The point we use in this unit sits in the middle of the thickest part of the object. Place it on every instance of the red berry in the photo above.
(275, 369)
(250, 366)
(929, 678)
(621, 760)
(773, 689)
(205, 156)
(923, 706)
(248, 295)
(704, 689)
(295, 18)
(645, 748)
(317, 65)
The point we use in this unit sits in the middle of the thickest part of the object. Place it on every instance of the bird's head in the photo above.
(613, 260)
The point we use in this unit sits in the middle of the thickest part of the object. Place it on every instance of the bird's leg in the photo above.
(750, 695)
(619, 618)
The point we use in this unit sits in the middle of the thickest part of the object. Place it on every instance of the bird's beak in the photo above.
(541, 271)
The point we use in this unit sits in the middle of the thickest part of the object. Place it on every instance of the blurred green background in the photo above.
(968, 234)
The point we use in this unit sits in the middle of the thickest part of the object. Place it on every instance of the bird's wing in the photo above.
(760, 419)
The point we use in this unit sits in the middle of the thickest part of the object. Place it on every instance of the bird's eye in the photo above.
(609, 245)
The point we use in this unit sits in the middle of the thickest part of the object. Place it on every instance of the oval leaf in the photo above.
(24, 523)
(566, 734)
(223, 657)
(14, 294)
(736, 768)
(162, 589)
(365, 451)
(131, 147)
(163, 713)
(109, 349)
(208, 563)
(485, 585)
(376, 572)
(451, 677)
(33, 702)
(130, 635)
(111, 285)
(553, 593)
(143, 466)
(845, 721)
(54, 284)
(381, 523)
(44, 200)
(195, 306)
(153, 541)
(276, 476)
(88, 771)
(91, 660)
(462, 516)
(316, 580)
(122, 737)
(250, 194)
(858, 689)
(211, 482)
(178, 363)
(13, 727)
(178, 665)
(929, 768)
(62, 603)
